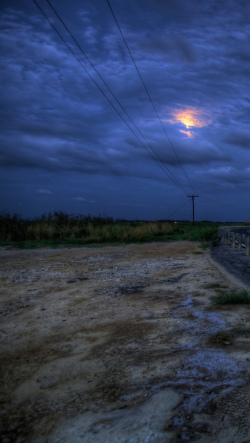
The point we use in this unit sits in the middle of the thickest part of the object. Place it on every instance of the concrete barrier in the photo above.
(232, 236)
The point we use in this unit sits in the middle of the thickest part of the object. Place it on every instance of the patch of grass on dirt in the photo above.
(240, 331)
(221, 338)
(232, 297)
(224, 338)
(216, 286)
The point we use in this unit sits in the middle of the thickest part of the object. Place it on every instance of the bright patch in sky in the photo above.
(190, 117)
(188, 133)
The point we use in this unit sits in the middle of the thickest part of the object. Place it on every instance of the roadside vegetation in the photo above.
(233, 297)
(60, 229)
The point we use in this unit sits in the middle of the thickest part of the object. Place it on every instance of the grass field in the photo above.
(63, 230)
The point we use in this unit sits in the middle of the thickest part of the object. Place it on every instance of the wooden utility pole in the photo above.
(193, 197)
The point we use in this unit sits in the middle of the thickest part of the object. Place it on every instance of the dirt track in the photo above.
(119, 344)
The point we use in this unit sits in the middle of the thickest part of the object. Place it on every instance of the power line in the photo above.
(178, 209)
(147, 92)
(217, 203)
(159, 161)
(113, 95)
(79, 61)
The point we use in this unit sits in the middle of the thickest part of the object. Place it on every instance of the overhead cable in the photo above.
(217, 203)
(157, 159)
(178, 209)
(113, 95)
(147, 92)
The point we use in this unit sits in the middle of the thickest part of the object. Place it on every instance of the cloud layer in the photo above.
(74, 140)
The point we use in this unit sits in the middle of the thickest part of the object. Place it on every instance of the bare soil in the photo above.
(121, 344)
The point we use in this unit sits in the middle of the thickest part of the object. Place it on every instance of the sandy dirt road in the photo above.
(120, 344)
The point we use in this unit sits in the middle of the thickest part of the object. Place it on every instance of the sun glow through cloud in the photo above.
(190, 118)
(188, 133)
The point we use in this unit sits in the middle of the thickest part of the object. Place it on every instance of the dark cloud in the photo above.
(239, 138)
(60, 135)
(44, 191)
(228, 177)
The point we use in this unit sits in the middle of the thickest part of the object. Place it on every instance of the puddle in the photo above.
(204, 373)
(146, 423)
(195, 324)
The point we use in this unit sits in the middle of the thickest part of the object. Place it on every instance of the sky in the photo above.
(127, 110)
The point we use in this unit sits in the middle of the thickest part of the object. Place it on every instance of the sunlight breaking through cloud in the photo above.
(190, 117)
(188, 133)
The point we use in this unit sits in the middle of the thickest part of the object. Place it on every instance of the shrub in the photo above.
(232, 297)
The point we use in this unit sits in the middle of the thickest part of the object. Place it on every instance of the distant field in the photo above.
(63, 230)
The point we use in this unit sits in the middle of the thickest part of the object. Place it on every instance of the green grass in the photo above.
(232, 297)
(63, 230)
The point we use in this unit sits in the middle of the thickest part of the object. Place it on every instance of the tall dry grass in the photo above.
(59, 227)
(89, 229)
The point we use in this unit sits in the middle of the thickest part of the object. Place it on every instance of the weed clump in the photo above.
(227, 337)
(221, 338)
(232, 297)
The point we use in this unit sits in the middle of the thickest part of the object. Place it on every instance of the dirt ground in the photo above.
(121, 344)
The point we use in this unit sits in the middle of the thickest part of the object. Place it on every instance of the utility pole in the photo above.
(193, 197)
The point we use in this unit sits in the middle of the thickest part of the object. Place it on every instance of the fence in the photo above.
(236, 237)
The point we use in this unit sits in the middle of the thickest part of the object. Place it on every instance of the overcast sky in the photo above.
(68, 145)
